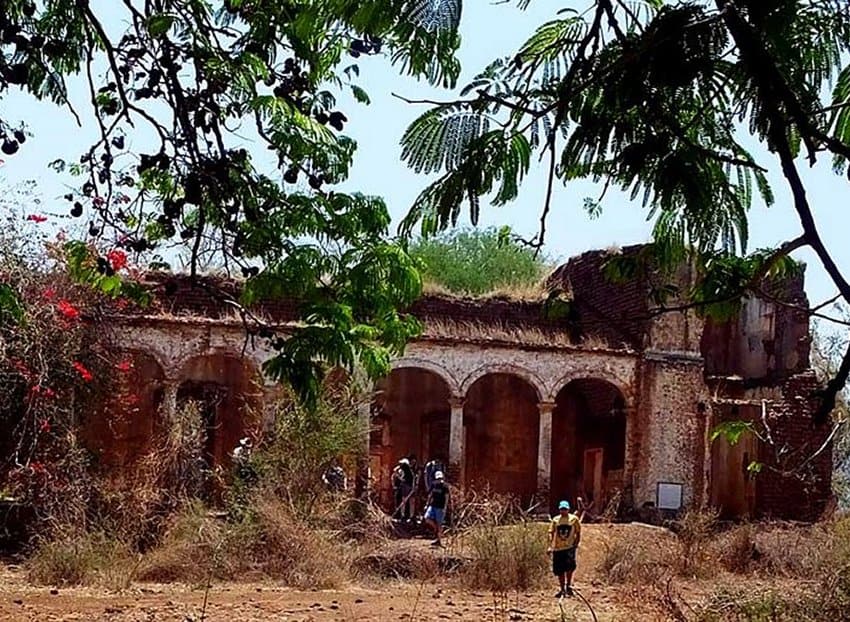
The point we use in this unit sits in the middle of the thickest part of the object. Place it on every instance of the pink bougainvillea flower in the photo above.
(68, 310)
(45, 426)
(125, 365)
(85, 374)
(117, 259)
(36, 218)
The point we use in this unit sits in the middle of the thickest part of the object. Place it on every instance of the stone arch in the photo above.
(123, 429)
(598, 373)
(589, 441)
(507, 369)
(411, 417)
(431, 366)
(501, 421)
(227, 389)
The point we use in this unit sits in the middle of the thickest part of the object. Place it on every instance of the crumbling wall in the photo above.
(795, 482)
(769, 339)
(672, 429)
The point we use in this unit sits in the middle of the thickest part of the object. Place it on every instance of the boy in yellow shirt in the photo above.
(564, 538)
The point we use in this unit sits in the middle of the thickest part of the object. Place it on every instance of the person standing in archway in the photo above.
(564, 538)
(435, 512)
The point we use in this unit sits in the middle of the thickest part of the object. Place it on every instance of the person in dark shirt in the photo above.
(403, 479)
(438, 500)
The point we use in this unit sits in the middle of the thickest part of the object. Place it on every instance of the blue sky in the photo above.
(489, 30)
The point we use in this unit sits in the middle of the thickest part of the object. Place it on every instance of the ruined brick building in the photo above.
(611, 401)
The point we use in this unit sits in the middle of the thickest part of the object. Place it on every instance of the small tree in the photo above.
(477, 261)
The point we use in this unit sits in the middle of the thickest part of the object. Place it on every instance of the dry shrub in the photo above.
(735, 550)
(695, 531)
(92, 559)
(475, 507)
(269, 542)
(634, 561)
(401, 563)
(506, 558)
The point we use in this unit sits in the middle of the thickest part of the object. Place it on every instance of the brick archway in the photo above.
(226, 389)
(411, 418)
(501, 422)
(505, 369)
(589, 442)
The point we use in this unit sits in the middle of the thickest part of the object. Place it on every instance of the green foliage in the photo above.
(306, 441)
(263, 72)
(732, 431)
(477, 261)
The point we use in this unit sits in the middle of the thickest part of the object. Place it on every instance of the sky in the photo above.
(489, 30)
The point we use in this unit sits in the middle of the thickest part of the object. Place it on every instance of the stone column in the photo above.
(544, 451)
(361, 477)
(169, 400)
(456, 438)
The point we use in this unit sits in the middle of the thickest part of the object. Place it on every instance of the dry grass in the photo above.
(506, 559)
(520, 292)
(495, 332)
(269, 544)
(93, 559)
(636, 561)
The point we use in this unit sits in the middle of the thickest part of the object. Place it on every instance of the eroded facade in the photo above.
(614, 402)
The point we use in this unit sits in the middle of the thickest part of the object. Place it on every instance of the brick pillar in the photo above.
(544, 451)
(456, 435)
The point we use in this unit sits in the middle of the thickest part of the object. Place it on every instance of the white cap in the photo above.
(244, 441)
(438, 475)
(404, 461)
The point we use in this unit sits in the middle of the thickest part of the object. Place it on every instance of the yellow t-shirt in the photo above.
(563, 531)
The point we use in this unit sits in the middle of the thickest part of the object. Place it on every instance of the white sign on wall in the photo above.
(669, 496)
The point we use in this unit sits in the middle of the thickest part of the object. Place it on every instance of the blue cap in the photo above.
(564, 505)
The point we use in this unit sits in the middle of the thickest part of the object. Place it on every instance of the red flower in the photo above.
(124, 366)
(85, 374)
(37, 467)
(68, 310)
(49, 293)
(21, 367)
(117, 259)
(47, 392)
(36, 218)
(45, 426)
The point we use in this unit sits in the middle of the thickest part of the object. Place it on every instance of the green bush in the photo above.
(477, 262)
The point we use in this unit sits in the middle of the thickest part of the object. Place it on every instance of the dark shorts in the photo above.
(564, 561)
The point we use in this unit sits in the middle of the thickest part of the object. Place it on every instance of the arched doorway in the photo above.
(123, 430)
(226, 392)
(588, 443)
(502, 428)
(410, 418)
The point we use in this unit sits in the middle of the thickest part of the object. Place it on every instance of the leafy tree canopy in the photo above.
(478, 261)
(659, 99)
(178, 89)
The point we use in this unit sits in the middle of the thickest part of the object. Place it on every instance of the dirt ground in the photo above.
(410, 600)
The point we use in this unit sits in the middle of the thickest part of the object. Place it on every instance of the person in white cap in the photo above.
(438, 500)
(402, 479)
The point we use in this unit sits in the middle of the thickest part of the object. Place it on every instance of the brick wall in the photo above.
(795, 492)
